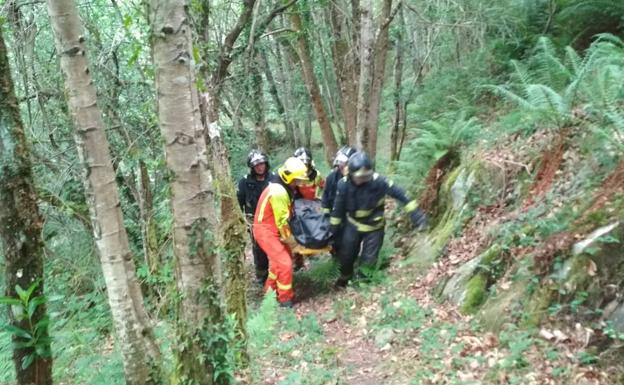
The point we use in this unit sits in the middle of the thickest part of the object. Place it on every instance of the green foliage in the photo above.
(450, 133)
(35, 336)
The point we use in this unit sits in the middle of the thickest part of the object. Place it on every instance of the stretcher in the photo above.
(302, 250)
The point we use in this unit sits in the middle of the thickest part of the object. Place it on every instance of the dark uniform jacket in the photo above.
(363, 206)
(329, 193)
(249, 190)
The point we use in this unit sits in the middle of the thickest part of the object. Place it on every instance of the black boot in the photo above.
(341, 282)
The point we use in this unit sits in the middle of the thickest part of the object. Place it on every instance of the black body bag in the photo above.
(309, 225)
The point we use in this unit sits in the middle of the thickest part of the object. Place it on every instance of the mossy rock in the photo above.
(469, 285)
(476, 293)
(537, 305)
(506, 305)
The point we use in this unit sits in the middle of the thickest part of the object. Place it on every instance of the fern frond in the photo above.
(513, 97)
(573, 58)
(549, 102)
(521, 72)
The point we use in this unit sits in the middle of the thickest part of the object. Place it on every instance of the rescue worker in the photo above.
(248, 192)
(315, 182)
(359, 212)
(331, 182)
(272, 231)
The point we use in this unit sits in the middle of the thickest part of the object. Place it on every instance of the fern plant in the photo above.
(435, 139)
(551, 87)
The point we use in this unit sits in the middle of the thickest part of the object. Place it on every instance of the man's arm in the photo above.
(241, 194)
(339, 210)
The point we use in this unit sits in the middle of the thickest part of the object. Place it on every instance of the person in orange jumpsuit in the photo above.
(271, 229)
(309, 189)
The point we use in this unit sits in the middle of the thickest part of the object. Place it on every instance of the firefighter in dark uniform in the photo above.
(359, 212)
(248, 192)
(338, 172)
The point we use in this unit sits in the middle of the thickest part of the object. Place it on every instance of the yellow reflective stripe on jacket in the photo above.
(281, 286)
(272, 275)
(326, 210)
(365, 213)
(335, 221)
(280, 203)
(364, 227)
(411, 206)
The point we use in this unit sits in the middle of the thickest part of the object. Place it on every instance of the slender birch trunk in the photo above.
(378, 76)
(303, 50)
(398, 80)
(20, 231)
(124, 293)
(365, 81)
(200, 316)
(279, 106)
(257, 104)
(345, 69)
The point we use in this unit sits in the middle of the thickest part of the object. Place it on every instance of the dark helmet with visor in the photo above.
(360, 168)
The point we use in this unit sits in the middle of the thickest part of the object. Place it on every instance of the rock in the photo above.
(455, 288)
(384, 337)
(460, 188)
(618, 318)
(581, 246)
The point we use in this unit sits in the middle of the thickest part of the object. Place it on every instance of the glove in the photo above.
(290, 242)
(419, 219)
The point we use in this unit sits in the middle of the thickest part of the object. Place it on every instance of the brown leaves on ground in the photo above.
(552, 157)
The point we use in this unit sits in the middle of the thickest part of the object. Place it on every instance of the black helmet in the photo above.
(343, 155)
(304, 154)
(360, 167)
(256, 157)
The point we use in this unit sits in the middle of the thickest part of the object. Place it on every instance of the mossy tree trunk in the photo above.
(124, 293)
(20, 230)
(201, 353)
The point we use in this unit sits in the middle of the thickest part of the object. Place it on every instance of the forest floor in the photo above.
(391, 331)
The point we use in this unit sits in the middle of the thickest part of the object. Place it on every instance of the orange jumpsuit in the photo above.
(309, 189)
(270, 226)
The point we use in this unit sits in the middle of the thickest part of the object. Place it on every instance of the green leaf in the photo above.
(27, 361)
(127, 21)
(41, 325)
(18, 331)
(24, 295)
(33, 304)
(24, 344)
(21, 294)
(9, 301)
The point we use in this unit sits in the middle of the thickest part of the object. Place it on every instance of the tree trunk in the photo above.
(307, 127)
(365, 81)
(329, 140)
(200, 356)
(20, 232)
(232, 228)
(346, 65)
(124, 294)
(257, 104)
(378, 76)
(286, 63)
(395, 135)
(279, 106)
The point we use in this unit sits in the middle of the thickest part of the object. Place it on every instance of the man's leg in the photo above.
(371, 246)
(347, 253)
(280, 264)
(261, 261)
